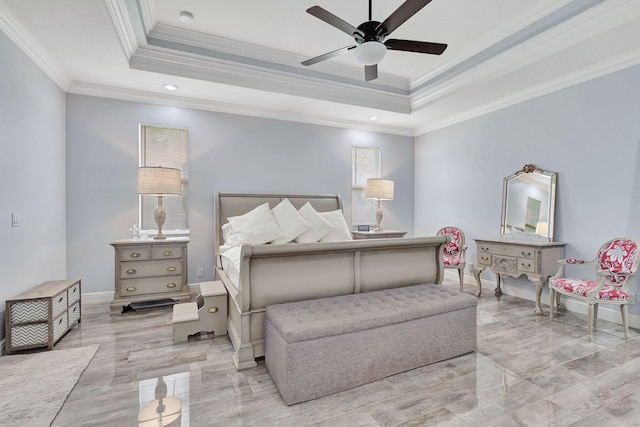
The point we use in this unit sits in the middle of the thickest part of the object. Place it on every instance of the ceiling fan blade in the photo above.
(370, 72)
(414, 46)
(333, 20)
(328, 55)
(404, 12)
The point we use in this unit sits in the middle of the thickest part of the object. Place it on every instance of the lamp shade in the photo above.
(370, 53)
(159, 180)
(381, 189)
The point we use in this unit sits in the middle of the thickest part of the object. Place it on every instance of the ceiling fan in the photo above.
(370, 37)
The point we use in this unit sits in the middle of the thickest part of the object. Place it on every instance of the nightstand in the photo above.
(149, 270)
(360, 235)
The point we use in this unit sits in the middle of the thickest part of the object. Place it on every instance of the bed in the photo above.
(272, 274)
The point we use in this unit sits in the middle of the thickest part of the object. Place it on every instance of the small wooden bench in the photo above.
(207, 313)
(318, 347)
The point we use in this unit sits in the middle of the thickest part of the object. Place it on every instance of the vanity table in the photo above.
(509, 257)
(525, 246)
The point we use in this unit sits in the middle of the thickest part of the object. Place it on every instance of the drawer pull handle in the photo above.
(135, 255)
(484, 249)
(60, 321)
(526, 265)
(167, 253)
(60, 300)
(526, 253)
(172, 268)
(131, 289)
(171, 285)
(74, 290)
(213, 310)
(131, 271)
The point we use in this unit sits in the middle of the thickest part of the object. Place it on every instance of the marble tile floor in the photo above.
(528, 371)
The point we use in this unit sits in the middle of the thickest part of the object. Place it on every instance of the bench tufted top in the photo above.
(324, 317)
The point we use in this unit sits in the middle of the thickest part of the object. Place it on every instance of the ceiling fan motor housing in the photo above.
(369, 32)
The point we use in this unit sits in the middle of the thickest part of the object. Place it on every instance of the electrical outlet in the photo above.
(200, 272)
(632, 298)
(15, 220)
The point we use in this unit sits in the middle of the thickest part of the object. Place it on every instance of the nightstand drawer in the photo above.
(59, 303)
(73, 294)
(74, 313)
(30, 335)
(30, 311)
(130, 270)
(484, 259)
(60, 326)
(526, 265)
(135, 254)
(167, 252)
(150, 285)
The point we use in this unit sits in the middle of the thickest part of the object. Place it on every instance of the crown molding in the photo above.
(148, 13)
(80, 88)
(191, 42)
(255, 77)
(13, 28)
(605, 16)
(122, 23)
(582, 75)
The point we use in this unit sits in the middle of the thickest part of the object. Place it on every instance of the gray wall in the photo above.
(588, 133)
(227, 153)
(32, 139)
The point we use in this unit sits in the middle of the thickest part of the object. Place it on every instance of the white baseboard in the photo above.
(100, 297)
(609, 313)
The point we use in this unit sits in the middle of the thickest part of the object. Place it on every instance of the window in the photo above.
(167, 147)
(365, 163)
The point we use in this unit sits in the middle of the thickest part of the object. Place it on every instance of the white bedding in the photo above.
(230, 257)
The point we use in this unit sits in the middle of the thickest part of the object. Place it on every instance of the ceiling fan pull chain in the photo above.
(370, 14)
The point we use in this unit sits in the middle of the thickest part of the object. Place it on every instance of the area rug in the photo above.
(35, 386)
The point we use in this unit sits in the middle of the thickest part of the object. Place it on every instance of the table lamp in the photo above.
(160, 182)
(379, 189)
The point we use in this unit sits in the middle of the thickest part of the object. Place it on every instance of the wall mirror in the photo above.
(528, 204)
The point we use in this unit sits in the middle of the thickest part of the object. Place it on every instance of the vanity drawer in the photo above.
(167, 252)
(517, 251)
(135, 254)
(526, 265)
(150, 285)
(129, 270)
(484, 259)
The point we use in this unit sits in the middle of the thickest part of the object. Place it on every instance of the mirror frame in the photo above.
(553, 180)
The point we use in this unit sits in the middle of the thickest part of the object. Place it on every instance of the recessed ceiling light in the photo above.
(186, 17)
(171, 87)
(373, 118)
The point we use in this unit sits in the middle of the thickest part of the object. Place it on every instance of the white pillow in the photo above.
(340, 228)
(228, 235)
(290, 222)
(256, 227)
(319, 226)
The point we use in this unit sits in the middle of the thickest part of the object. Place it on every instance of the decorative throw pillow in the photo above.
(256, 227)
(290, 222)
(340, 228)
(319, 226)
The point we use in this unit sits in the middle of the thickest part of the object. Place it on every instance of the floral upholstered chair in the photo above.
(616, 263)
(453, 256)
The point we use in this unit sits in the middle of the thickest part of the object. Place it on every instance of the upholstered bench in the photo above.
(318, 347)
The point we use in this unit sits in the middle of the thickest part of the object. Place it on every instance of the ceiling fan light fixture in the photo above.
(370, 53)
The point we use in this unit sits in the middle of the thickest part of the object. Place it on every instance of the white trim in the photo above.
(122, 25)
(13, 28)
(148, 11)
(97, 297)
(206, 105)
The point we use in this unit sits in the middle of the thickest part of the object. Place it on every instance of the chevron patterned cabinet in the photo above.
(40, 316)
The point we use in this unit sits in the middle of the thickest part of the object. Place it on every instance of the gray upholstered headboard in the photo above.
(234, 204)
